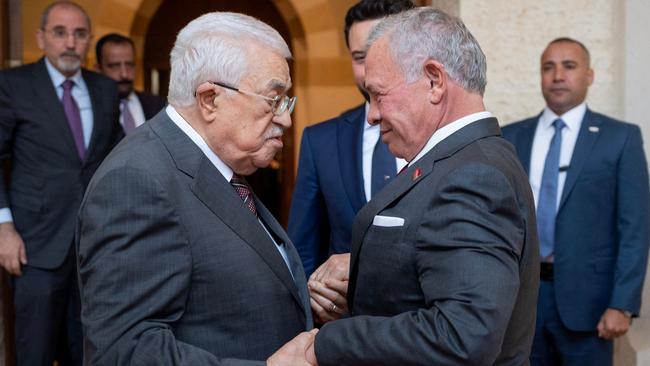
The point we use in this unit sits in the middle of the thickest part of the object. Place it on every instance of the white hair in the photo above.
(424, 33)
(217, 47)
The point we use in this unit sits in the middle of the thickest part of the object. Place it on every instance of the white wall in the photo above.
(513, 35)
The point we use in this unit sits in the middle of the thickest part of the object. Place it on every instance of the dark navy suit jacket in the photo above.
(601, 236)
(329, 188)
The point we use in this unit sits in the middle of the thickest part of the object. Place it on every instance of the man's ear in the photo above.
(97, 69)
(209, 100)
(436, 76)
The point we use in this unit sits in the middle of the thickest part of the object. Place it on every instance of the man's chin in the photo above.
(67, 65)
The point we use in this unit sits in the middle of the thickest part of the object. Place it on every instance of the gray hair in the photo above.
(216, 47)
(426, 33)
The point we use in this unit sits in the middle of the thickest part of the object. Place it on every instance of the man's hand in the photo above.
(328, 300)
(614, 323)
(294, 353)
(12, 249)
(337, 267)
(328, 288)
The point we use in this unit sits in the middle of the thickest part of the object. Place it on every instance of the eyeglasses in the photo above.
(60, 33)
(279, 103)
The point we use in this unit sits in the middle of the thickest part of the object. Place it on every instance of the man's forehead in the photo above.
(564, 51)
(59, 16)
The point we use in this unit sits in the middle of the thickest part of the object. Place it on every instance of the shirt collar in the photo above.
(366, 125)
(198, 140)
(448, 130)
(572, 118)
(58, 78)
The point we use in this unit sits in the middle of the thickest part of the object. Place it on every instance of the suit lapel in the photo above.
(217, 194)
(349, 136)
(405, 181)
(95, 93)
(299, 277)
(524, 143)
(47, 97)
(589, 132)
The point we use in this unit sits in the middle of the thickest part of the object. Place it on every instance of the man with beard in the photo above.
(116, 59)
(57, 123)
(343, 162)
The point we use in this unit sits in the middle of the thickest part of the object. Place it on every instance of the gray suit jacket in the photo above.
(456, 284)
(173, 268)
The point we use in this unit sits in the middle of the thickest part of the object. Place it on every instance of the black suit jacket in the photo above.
(173, 268)
(151, 104)
(455, 281)
(48, 178)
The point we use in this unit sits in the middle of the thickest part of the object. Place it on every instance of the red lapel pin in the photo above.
(417, 173)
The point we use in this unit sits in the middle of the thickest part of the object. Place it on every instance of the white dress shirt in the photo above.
(81, 96)
(135, 107)
(370, 138)
(224, 169)
(447, 131)
(542, 142)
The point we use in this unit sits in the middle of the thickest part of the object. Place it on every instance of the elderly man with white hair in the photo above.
(179, 262)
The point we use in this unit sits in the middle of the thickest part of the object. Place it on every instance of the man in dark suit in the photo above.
(444, 262)
(179, 262)
(589, 176)
(343, 163)
(57, 123)
(116, 59)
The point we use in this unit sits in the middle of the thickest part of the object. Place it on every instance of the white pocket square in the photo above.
(387, 221)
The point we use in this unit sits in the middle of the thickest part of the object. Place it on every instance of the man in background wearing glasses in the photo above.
(57, 123)
(179, 262)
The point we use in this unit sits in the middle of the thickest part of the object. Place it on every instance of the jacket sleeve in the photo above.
(7, 126)
(308, 223)
(633, 222)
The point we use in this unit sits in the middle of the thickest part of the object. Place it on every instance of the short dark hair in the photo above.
(575, 41)
(111, 38)
(373, 9)
(65, 4)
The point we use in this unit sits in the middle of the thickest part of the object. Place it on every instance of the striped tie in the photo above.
(244, 192)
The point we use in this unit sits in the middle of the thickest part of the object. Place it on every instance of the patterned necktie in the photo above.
(383, 167)
(244, 192)
(547, 200)
(128, 123)
(74, 117)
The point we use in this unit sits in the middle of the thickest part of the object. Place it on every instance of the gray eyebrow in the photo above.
(276, 84)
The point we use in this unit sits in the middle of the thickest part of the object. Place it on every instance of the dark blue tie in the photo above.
(547, 200)
(384, 167)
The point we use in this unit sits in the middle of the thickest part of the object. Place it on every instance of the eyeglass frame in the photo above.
(280, 103)
(61, 33)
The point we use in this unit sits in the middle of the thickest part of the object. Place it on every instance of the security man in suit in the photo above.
(57, 123)
(179, 262)
(589, 176)
(444, 261)
(343, 162)
(116, 59)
